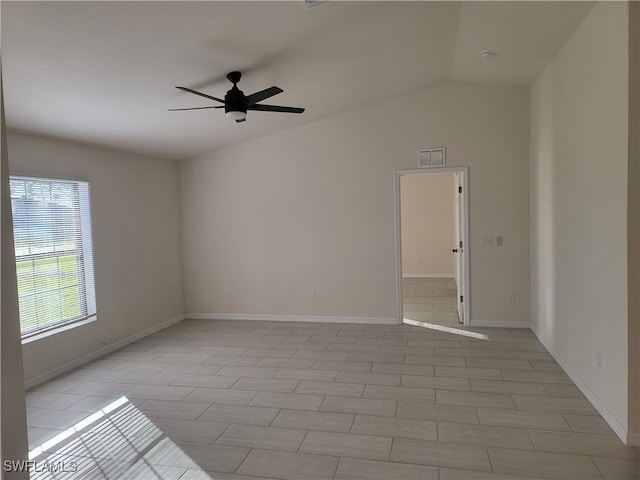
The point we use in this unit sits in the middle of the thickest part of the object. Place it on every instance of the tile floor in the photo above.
(430, 300)
(247, 400)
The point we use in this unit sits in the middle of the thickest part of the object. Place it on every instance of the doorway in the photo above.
(432, 279)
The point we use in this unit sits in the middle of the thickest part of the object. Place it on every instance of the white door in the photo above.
(459, 248)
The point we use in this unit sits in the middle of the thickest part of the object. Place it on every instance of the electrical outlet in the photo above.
(419, 260)
(286, 293)
(499, 241)
(486, 241)
(511, 298)
(313, 295)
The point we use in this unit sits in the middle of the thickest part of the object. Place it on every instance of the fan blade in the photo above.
(241, 120)
(185, 89)
(275, 108)
(263, 95)
(192, 108)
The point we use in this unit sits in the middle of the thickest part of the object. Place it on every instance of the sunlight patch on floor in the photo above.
(117, 441)
(442, 328)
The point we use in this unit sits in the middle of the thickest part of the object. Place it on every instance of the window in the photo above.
(54, 252)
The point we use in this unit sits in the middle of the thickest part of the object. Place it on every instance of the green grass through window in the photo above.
(50, 285)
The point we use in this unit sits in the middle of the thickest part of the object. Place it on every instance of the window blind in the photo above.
(54, 252)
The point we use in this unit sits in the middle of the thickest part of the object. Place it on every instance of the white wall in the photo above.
(137, 251)
(13, 419)
(313, 208)
(579, 207)
(428, 210)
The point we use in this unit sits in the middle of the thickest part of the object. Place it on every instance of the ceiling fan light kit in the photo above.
(236, 103)
(236, 115)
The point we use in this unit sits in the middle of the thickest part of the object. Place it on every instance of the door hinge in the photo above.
(461, 299)
(460, 243)
(459, 189)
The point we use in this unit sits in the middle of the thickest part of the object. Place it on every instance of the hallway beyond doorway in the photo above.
(430, 300)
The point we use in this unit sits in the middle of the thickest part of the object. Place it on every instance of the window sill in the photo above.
(60, 329)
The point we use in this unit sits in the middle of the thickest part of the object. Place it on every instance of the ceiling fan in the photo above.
(236, 103)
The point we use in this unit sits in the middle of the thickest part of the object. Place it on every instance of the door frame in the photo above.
(464, 177)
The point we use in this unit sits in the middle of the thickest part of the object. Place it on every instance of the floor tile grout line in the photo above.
(602, 475)
(489, 458)
(243, 460)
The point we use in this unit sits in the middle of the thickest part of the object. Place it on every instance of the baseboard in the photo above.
(293, 318)
(427, 275)
(51, 374)
(633, 439)
(499, 324)
(619, 429)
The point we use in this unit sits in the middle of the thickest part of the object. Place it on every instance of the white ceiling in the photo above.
(104, 72)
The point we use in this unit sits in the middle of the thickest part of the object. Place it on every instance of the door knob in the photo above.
(455, 250)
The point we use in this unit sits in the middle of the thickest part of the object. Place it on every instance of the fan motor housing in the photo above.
(235, 101)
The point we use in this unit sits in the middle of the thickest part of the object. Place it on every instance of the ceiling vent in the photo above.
(431, 157)
(313, 3)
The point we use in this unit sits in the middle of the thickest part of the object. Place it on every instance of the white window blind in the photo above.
(54, 252)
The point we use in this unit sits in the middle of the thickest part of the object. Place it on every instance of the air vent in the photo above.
(313, 3)
(431, 157)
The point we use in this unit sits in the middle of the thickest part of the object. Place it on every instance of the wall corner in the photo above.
(633, 227)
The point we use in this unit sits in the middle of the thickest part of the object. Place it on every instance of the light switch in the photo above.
(486, 241)
(499, 241)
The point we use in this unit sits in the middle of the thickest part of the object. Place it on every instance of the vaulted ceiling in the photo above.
(104, 73)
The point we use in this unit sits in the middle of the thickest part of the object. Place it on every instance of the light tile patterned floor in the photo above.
(430, 300)
(295, 401)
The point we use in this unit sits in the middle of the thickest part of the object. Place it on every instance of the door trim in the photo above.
(464, 174)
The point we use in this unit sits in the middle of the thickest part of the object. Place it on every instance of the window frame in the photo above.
(84, 252)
